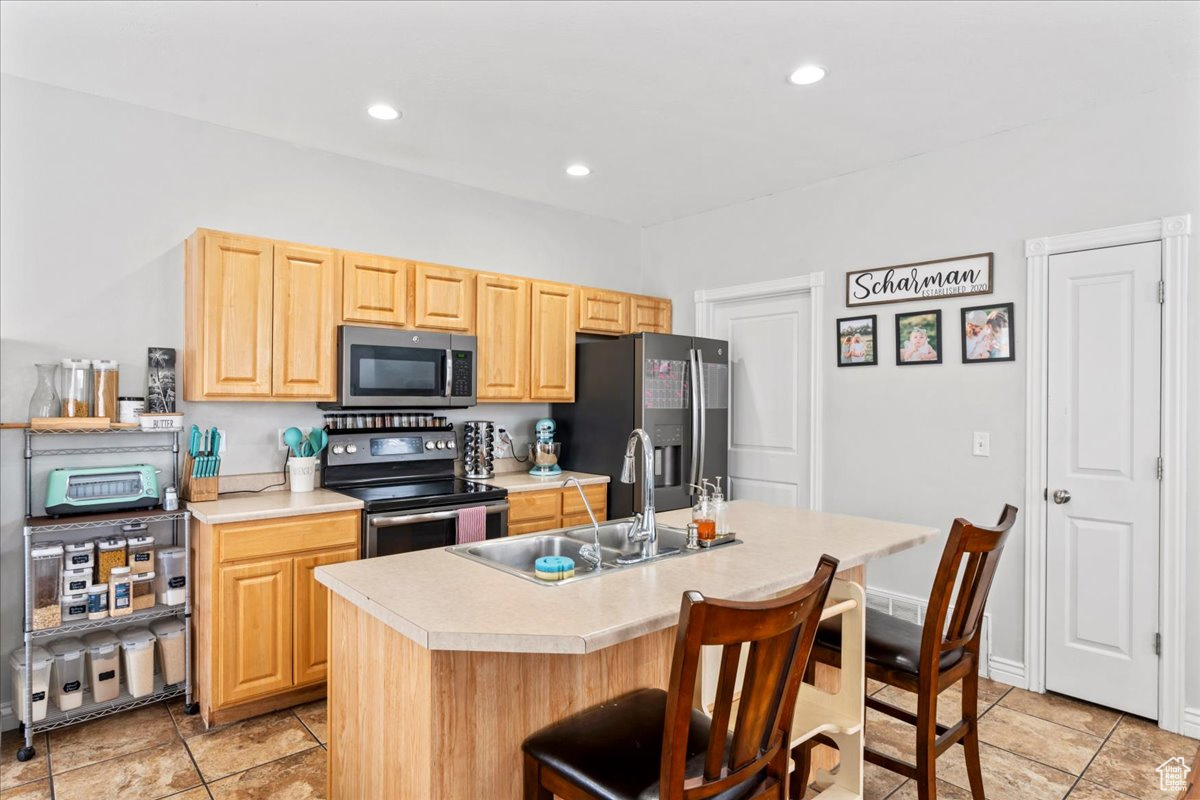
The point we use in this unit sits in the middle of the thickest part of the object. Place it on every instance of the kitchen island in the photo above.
(440, 667)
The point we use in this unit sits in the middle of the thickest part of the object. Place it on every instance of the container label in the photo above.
(78, 585)
(121, 596)
(97, 602)
(85, 558)
(71, 686)
(178, 582)
(75, 611)
(39, 697)
(145, 556)
(107, 675)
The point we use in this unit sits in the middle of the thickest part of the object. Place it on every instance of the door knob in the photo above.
(1062, 496)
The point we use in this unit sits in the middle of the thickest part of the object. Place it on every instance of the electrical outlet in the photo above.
(981, 445)
(282, 445)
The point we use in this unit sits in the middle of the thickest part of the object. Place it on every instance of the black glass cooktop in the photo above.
(424, 494)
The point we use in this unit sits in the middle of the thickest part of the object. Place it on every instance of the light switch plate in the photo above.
(981, 445)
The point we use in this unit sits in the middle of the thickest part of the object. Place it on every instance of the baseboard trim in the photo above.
(1005, 670)
(1191, 723)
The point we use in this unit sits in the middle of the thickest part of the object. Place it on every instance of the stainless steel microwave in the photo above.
(384, 367)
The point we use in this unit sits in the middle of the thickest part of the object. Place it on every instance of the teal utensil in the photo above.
(317, 439)
(292, 437)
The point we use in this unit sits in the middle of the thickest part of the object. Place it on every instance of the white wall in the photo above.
(98, 197)
(897, 439)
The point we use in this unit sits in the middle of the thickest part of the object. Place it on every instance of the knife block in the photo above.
(197, 490)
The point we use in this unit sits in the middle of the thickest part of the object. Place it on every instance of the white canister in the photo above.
(129, 409)
(302, 473)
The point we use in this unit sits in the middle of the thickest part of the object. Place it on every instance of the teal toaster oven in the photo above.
(87, 490)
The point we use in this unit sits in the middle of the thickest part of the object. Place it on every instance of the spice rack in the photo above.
(36, 528)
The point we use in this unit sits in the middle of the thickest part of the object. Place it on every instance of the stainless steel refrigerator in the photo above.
(649, 380)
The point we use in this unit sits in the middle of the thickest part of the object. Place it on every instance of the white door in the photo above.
(769, 387)
(1104, 341)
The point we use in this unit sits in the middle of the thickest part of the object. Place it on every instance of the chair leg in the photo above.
(533, 780)
(970, 741)
(926, 752)
(802, 755)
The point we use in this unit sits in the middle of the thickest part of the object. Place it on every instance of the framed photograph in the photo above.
(856, 342)
(923, 280)
(919, 338)
(987, 334)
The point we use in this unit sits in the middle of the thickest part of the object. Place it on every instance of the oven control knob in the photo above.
(450, 445)
(440, 445)
(429, 445)
(351, 448)
(338, 449)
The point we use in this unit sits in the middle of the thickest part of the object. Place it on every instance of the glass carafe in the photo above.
(45, 402)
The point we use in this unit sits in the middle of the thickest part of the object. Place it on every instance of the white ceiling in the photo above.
(679, 107)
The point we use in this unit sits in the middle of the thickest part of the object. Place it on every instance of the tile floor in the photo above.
(158, 751)
(1034, 747)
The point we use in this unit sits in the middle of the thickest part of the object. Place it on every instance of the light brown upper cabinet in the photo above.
(602, 311)
(552, 362)
(444, 298)
(502, 328)
(374, 289)
(650, 314)
(305, 342)
(229, 284)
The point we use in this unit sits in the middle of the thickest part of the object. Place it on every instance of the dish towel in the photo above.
(472, 524)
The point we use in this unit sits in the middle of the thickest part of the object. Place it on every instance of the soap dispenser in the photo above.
(718, 509)
(702, 516)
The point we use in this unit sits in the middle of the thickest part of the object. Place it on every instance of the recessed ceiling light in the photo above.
(579, 170)
(807, 75)
(382, 111)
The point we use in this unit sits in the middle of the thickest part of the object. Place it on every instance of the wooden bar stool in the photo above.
(924, 660)
(654, 744)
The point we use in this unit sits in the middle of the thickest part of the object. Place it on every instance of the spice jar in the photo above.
(120, 592)
(105, 377)
(76, 378)
(141, 554)
(143, 591)
(110, 553)
(47, 560)
(97, 600)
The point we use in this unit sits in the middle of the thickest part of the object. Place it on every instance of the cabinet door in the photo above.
(233, 318)
(310, 615)
(603, 312)
(552, 339)
(305, 339)
(445, 298)
(502, 331)
(533, 511)
(254, 656)
(651, 314)
(374, 289)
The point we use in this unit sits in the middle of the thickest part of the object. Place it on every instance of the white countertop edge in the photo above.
(268, 510)
(392, 620)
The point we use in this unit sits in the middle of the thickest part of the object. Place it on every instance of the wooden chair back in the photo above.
(779, 633)
(980, 547)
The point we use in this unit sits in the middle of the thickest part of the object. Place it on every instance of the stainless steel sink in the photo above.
(516, 554)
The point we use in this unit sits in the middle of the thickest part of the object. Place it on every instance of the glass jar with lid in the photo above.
(77, 388)
(105, 377)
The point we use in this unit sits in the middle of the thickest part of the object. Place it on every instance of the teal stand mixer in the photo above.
(544, 451)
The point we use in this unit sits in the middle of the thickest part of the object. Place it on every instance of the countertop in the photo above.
(267, 505)
(443, 601)
(524, 482)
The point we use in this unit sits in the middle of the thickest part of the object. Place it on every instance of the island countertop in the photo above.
(445, 602)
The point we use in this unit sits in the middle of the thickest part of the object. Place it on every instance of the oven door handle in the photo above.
(432, 516)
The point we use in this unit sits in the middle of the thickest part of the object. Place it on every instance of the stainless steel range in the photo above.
(406, 479)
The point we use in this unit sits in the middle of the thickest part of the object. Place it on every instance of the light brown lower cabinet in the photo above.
(260, 616)
(547, 509)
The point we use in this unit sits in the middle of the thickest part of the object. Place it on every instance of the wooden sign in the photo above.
(924, 280)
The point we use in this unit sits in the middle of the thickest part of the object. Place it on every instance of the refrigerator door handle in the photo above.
(702, 393)
(696, 444)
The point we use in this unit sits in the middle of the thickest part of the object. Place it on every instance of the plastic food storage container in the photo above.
(171, 651)
(74, 607)
(66, 678)
(109, 553)
(76, 378)
(98, 601)
(120, 592)
(141, 554)
(143, 591)
(76, 580)
(105, 377)
(47, 584)
(80, 555)
(104, 665)
(39, 667)
(170, 580)
(138, 644)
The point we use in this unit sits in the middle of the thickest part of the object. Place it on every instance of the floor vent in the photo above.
(912, 609)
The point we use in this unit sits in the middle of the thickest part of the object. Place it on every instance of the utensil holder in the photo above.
(195, 489)
(302, 473)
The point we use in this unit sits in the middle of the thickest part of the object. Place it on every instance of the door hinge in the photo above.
(1159, 470)
(1158, 644)
(1162, 292)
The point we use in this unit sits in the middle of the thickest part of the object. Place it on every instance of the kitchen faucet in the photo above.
(589, 552)
(643, 529)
